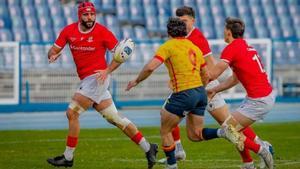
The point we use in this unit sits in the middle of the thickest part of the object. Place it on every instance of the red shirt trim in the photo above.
(172, 68)
(159, 58)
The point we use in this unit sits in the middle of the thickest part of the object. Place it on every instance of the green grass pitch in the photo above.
(110, 149)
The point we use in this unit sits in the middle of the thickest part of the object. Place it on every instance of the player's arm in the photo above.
(218, 69)
(145, 73)
(227, 84)
(54, 53)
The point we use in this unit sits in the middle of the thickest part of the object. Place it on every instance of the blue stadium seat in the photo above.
(100, 19)
(257, 11)
(282, 10)
(279, 3)
(5, 22)
(31, 22)
(262, 32)
(3, 3)
(108, 5)
(26, 57)
(47, 35)
(208, 32)
(20, 35)
(56, 11)
(18, 22)
(152, 24)
(6, 35)
(163, 23)
(293, 2)
(189, 3)
(34, 35)
(269, 10)
(70, 13)
(111, 21)
(231, 11)
(116, 31)
(27, 3)
(250, 32)
(9, 60)
(217, 11)
(275, 33)
(42, 11)
(215, 3)
(29, 11)
(150, 11)
(123, 12)
(4, 11)
(38, 56)
(136, 14)
(66, 58)
(298, 33)
(15, 11)
(45, 23)
(140, 33)
(148, 3)
(40, 2)
(59, 22)
(127, 31)
(52, 2)
(14, 2)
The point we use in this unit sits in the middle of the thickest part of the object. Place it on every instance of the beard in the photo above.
(88, 24)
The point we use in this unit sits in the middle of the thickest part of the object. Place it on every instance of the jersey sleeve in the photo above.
(110, 41)
(62, 39)
(227, 54)
(162, 53)
(203, 45)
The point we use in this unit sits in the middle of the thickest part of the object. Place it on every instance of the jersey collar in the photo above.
(190, 32)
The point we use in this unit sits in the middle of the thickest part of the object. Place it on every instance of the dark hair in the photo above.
(185, 10)
(236, 26)
(176, 27)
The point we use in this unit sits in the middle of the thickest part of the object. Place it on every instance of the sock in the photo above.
(176, 133)
(208, 133)
(221, 133)
(248, 132)
(70, 148)
(246, 157)
(259, 141)
(249, 144)
(170, 154)
(139, 139)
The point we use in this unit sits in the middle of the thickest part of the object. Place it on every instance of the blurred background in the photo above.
(28, 29)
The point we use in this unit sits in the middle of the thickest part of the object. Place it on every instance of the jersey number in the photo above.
(193, 59)
(257, 59)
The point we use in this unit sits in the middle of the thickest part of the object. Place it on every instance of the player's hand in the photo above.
(211, 93)
(101, 75)
(131, 84)
(53, 58)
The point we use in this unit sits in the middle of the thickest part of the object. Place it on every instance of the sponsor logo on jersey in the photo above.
(83, 48)
(90, 39)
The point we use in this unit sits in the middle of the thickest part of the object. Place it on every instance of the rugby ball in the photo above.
(124, 50)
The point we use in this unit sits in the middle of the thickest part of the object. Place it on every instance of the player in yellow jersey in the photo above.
(188, 75)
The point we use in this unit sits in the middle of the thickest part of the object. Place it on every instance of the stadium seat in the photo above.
(100, 19)
(31, 22)
(34, 35)
(20, 34)
(47, 35)
(108, 6)
(262, 32)
(15, 11)
(56, 12)
(5, 22)
(59, 22)
(140, 33)
(269, 10)
(136, 14)
(282, 10)
(40, 2)
(6, 35)
(4, 12)
(18, 22)
(26, 57)
(39, 56)
(127, 31)
(152, 24)
(111, 21)
(14, 2)
(45, 23)
(29, 11)
(189, 3)
(231, 11)
(123, 12)
(67, 58)
(116, 31)
(42, 11)
(9, 60)
(27, 3)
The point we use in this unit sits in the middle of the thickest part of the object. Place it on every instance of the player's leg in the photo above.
(168, 122)
(108, 110)
(77, 106)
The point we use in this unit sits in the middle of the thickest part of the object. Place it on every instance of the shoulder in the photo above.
(197, 33)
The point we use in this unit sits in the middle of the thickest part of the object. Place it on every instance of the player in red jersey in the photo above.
(248, 70)
(88, 42)
(217, 106)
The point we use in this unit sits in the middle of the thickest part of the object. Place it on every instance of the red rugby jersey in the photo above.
(88, 48)
(197, 37)
(246, 63)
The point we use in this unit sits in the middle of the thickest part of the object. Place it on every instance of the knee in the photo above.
(71, 115)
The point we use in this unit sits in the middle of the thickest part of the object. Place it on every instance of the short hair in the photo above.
(176, 27)
(185, 10)
(236, 26)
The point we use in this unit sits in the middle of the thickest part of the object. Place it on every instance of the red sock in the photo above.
(72, 141)
(176, 133)
(248, 132)
(245, 154)
(250, 144)
(137, 137)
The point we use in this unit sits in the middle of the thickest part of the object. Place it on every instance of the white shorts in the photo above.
(217, 101)
(257, 108)
(89, 87)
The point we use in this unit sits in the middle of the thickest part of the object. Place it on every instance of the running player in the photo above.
(88, 42)
(217, 106)
(248, 69)
(188, 75)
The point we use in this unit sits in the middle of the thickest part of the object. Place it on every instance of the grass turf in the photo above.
(110, 149)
